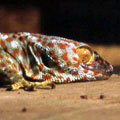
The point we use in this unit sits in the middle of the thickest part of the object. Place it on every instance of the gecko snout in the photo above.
(103, 66)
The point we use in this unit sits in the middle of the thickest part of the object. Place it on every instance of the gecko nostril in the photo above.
(110, 69)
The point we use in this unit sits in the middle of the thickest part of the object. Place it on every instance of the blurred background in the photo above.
(93, 22)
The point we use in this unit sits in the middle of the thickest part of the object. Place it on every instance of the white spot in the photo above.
(14, 44)
(4, 68)
(34, 38)
(20, 58)
(54, 41)
(11, 60)
(4, 36)
(59, 51)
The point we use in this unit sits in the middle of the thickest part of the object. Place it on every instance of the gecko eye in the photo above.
(85, 54)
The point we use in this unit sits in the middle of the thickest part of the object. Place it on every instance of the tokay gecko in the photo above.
(32, 61)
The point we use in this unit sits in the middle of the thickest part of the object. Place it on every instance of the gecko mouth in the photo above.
(85, 54)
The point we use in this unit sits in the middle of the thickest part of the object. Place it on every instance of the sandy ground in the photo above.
(97, 100)
(76, 101)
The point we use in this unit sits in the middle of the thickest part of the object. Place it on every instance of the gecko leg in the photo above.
(31, 86)
(11, 75)
(48, 84)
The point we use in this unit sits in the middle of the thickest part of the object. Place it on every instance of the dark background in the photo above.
(88, 21)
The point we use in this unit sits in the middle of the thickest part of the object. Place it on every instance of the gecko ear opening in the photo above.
(85, 55)
(47, 61)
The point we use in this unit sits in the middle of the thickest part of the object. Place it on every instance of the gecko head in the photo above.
(71, 61)
(92, 61)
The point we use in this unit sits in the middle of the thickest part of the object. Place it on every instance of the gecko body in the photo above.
(29, 60)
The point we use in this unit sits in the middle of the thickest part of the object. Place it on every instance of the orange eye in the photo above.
(85, 54)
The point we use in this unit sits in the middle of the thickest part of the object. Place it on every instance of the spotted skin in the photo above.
(32, 61)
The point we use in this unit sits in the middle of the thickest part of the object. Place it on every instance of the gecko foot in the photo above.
(40, 85)
(14, 86)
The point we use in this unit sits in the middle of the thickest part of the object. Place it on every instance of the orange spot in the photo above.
(1, 56)
(75, 59)
(99, 61)
(76, 65)
(7, 56)
(12, 71)
(103, 70)
(9, 39)
(35, 35)
(60, 70)
(56, 81)
(14, 65)
(2, 64)
(46, 76)
(39, 40)
(74, 50)
(64, 56)
(19, 68)
(46, 38)
(91, 64)
(62, 46)
(67, 41)
(30, 43)
(16, 50)
(22, 38)
(24, 66)
(32, 76)
(43, 43)
(53, 38)
(75, 43)
(3, 44)
(37, 71)
(8, 61)
(75, 73)
(51, 72)
(56, 58)
(41, 66)
(84, 77)
(69, 63)
(37, 53)
(13, 55)
(85, 71)
(23, 53)
(51, 45)
(60, 77)
(3, 33)
(67, 45)
(96, 73)
(63, 39)
(68, 79)
(30, 66)
(52, 53)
